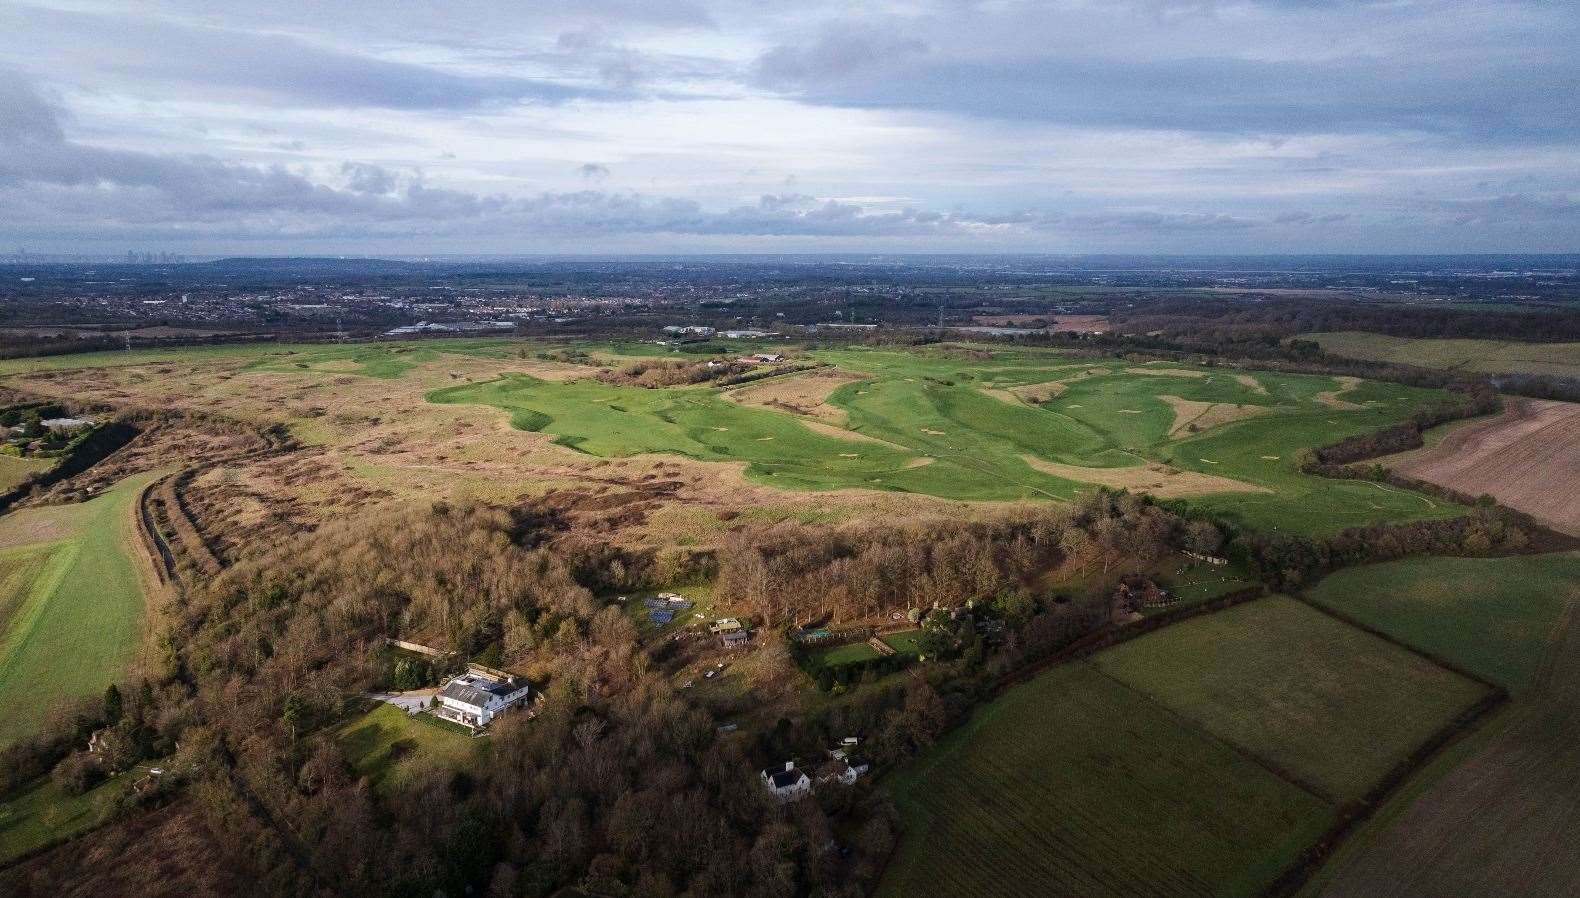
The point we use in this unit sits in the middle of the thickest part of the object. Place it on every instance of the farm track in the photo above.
(1528, 458)
(1502, 823)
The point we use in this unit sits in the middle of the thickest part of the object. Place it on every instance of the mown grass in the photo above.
(388, 746)
(74, 600)
(44, 813)
(1331, 705)
(1493, 616)
(1075, 784)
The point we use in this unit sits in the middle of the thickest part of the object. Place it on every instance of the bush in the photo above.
(78, 773)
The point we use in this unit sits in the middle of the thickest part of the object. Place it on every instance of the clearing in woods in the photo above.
(1528, 457)
(1502, 821)
(71, 603)
(1197, 760)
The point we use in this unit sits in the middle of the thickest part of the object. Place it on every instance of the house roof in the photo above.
(784, 779)
(476, 691)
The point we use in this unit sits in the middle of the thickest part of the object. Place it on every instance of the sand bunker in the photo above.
(1167, 372)
(798, 394)
(1333, 398)
(1159, 480)
(1203, 415)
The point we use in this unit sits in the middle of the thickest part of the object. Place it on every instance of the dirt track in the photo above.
(1528, 458)
(1502, 823)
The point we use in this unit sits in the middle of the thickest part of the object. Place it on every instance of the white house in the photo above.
(787, 783)
(473, 699)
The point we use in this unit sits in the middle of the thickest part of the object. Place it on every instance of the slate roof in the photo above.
(783, 779)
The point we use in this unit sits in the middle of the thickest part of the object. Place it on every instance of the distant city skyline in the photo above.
(176, 127)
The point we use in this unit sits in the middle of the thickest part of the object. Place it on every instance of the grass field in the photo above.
(14, 470)
(44, 813)
(1331, 705)
(1074, 784)
(71, 603)
(1196, 760)
(387, 746)
(949, 423)
(1493, 616)
(1496, 815)
(1490, 356)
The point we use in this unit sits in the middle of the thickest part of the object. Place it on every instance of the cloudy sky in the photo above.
(528, 126)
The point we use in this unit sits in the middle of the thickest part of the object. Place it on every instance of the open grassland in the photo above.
(72, 603)
(1500, 821)
(1492, 616)
(1332, 706)
(1488, 356)
(954, 422)
(44, 813)
(1074, 784)
(1528, 457)
(388, 746)
(14, 470)
(875, 429)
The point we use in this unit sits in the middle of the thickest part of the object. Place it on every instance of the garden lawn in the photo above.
(388, 746)
(1493, 616)
(1329, 705)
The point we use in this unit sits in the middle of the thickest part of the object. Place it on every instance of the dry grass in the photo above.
(1159, 480)
(1206, 415)
(801, 394)
(1167, 372)
(1334, 398)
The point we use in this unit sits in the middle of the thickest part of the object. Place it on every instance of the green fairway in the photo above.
(71, 603)
(387, 746)
(1493, 616)
(1074, 784)
(947, 422)
(1490, 356)
(1333, 706)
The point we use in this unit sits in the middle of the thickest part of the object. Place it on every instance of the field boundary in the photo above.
(1351, 816)
(1114, 635)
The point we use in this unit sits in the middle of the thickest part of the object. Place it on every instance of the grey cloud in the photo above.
(209, 60)
(594, 171)
(1514, 85)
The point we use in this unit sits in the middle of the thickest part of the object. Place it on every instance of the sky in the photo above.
(645, 126)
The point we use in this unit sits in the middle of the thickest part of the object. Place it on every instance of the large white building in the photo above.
(473, 698)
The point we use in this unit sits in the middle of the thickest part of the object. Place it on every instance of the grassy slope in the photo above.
(1491, 615)
(74, 621)
(44, 813)
(14, 470)
(1075, 784)
(1475, 355)
(1330, 704)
